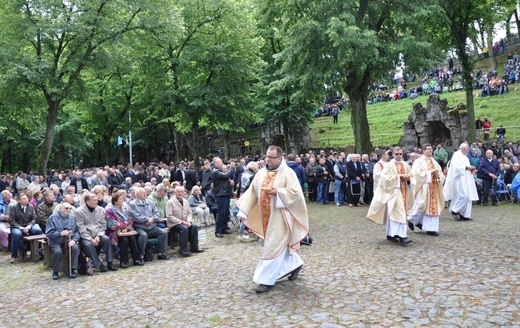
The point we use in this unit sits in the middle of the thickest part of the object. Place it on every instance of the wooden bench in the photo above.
(34, 242)
(47, 257)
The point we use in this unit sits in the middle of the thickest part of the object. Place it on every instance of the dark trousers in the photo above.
(222, 214)
(92, 251)
(18, 241)
(486, 186)
(186, 235)
(155, 231)
(353, 192)
(312, 190)
(123, 243)
(57, 253)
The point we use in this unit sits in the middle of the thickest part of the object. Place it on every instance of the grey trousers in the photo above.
(91, 251)
(142, 239)
(57, 252)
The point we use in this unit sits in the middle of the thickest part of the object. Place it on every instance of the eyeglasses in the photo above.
(398, 153)
(272, 157)
(68, 208)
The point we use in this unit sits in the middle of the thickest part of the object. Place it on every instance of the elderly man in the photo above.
(6, 201)
(45, 208)
(79, 183)
(393, 198)
(427, 180)
(221, 181)
(179, 215)
(99, 180)
(275, 210)
(488, 172)
(92, 225)
(159, 198)
(22, 218)
(145, 215)
(61, 232)
(460, 186)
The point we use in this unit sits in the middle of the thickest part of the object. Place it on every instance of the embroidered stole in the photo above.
(265, 199)
(433, 204)
(403, 186)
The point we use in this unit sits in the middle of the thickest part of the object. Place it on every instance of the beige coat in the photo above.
(176, 213)
(429, 204)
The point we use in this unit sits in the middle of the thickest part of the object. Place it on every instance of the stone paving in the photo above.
(469, 276)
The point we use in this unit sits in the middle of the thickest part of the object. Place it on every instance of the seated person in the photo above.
(45, 208)
(211, 201)
(61, 232)
(179, 216)
(198, 205)
(159, 198)
(145, 214)
(91, 222)
(118, 222)
(22, 218)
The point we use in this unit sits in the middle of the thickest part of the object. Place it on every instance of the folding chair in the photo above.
(503, 190)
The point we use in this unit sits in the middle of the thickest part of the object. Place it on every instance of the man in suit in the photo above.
(99, 179)
(356, 172)
(191, 176)
(22, 218)
(79, 183)
(488, 171)
(179, 216)
(180, 174)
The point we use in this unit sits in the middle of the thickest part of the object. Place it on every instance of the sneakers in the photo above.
(338, 204)
(243, 238)
(12, 259)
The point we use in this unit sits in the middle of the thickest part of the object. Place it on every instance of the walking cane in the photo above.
(70, 256)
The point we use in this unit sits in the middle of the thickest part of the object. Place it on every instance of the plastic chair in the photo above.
(503, 190)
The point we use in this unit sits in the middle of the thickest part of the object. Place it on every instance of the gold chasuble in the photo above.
(390, 201)
(281, 219)
(429, 195)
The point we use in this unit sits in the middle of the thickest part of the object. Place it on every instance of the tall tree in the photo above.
(55, 41)
(352, 43)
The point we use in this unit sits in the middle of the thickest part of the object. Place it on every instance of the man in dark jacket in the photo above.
(22, 219)
(356, 172)
(79, 183)
(297, 168)
(223, 194)
(191, 176)
(488, 171)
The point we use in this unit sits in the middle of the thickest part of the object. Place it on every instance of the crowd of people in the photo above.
(117, 209)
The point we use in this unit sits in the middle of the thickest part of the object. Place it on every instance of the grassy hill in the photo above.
(386, 119)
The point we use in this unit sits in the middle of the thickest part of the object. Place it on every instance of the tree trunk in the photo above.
(467, 67)
(508, 27)
(9, 155)
(61, 153)
(517, 23)
(108, 150)
(45, 152)
(195, 149)
(226, 145)
(286, 139)
(489, 40)
(178, 145)
(359, 120)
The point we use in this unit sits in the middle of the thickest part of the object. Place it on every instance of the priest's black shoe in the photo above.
(111, 267)
(261, 289)
(419, 225)
(392, 239)
(410, 225)
(465, 219)
(456, 216)
(432, 233)
(295, 272)
(404, 241)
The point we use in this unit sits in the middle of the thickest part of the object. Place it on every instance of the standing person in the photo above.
(488, 172)
(340, 176)
(312, 183)
(441, 156)
(393, 198)
(378, 168)
(245, 183)
(486, 125)
(479, 125)
(427, 180)
(206, 177)
(92, 224)
(356, 173)
(275, 210)
(322, 182)
(460, 184)
(335, 114)
(60, 226)
(223, 194)
(501, 132)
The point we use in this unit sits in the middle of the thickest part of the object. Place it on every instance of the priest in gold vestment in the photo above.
(275, 210)
(393, 199)
(427, 181)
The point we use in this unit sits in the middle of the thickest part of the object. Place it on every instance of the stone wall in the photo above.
(437, 123)
(299, 139)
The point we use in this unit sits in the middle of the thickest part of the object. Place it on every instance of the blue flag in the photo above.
(119, 141)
